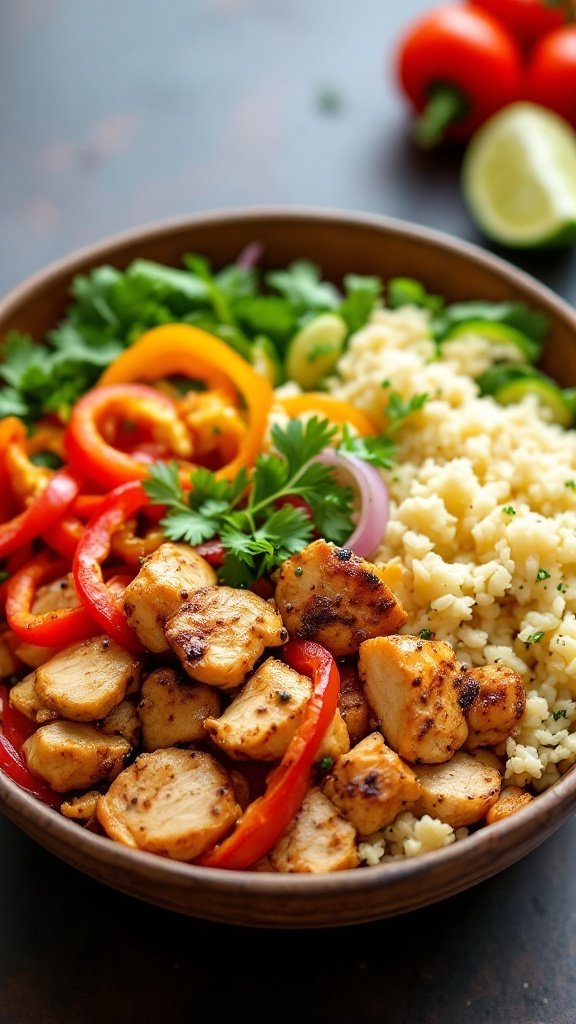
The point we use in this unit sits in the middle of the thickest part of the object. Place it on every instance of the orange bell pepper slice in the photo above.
(334, 409)
(183, 349)
(86, 443)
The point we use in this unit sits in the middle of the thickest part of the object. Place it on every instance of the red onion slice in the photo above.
(374, 500)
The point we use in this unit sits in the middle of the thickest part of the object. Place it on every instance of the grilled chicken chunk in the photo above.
(123, 721)
(68, 755)
(85, 681)
(24, 698)
(497, 707)
(81, 808)
(172, 709)
(60, 593)
(318, 839)
(173, 802)
(371, 785)
(352, 703)
(9, 663)
(327, 594)
(511, 799)
(413, 686)
(220, 633)
(262, 719)
(166, 580)
(459, 792)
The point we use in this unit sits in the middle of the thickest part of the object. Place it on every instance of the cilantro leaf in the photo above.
(379, 451)
(302, 287)
(362, 295)
(254, 515)
(398, 410)
(407, 291)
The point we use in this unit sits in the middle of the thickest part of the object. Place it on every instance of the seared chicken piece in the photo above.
(173, 802)
(511, 799)
(166, 580)
(413, 687)
(49, 598)
(172, 709)
(81, 808)
(123, 721)
(459, 792)
(85, 681)
(352, 703)
(497, 707)
(371, 785)
(221, 632)
(9, 663)
(68, 755)
(262, 719)
(327, 594)
(60, 593)
(317, 839)
(24, 698)
(32, 655)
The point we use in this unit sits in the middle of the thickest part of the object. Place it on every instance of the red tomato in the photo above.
(468, 51)
(528, 20)
(551, 74)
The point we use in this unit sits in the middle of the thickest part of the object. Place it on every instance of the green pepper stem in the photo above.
(446, 104)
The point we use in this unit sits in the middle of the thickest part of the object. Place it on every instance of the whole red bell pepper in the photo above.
(457, 66)
(267, 817)
(45, 510)
(93, 549)
(551, 73)
(56, 628)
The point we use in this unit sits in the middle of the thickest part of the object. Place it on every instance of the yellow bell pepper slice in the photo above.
(197, 354)
(333, 409)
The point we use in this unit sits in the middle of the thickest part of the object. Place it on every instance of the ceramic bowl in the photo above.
(339, 243)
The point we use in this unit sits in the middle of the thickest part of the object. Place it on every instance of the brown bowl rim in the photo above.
(547, 810)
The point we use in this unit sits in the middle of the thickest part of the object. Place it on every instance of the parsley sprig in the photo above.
(252, 514)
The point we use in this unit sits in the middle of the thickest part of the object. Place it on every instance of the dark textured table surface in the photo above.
(120, 112)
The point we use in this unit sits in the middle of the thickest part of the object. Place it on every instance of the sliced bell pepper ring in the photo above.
(12, 431)
(88, 449)
(14, 730)
(132, 548)
(334, 409)
(63, 537)
(266, 818)
(56, 628)
(184, 349)
(47, 508)
(93, 549)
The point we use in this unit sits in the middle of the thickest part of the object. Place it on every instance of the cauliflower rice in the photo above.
(483, 522)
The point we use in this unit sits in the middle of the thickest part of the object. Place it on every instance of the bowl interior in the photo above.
(339, 243)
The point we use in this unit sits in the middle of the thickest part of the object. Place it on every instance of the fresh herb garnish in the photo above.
(252, 312)
(535, 638)
(509, 510)
(542, 575)
(556, 715)
(570, 484)
(252, 515)
(426, 634)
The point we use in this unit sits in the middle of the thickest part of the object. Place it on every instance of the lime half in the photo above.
(519, 177)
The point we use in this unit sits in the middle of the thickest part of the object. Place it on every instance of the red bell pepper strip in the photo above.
(45, 510)
(89, 450)
(266, 818)
(13, 732)
(93, 550)
(57, 628)
(457, 66)
(63, 537)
